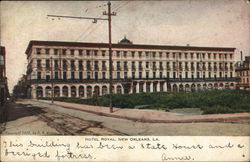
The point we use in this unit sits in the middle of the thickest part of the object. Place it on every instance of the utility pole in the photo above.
(109, 14)
(52, 84)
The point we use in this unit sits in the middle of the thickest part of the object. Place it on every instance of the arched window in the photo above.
(119, 89)
(89, 91)
(181, 89)
(187, 88)
(193, 87)
(73, 91)
(65, 91)
(174, 88)
(56, 91)
(39, 92)
(97, 91)
(81, 91)
(48, 91)
(104, 90)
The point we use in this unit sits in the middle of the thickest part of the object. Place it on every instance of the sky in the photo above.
(212, 23)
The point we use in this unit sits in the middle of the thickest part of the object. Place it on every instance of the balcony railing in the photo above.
(235, 79)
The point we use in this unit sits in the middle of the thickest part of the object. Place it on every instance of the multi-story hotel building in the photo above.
(243, 72)
(76, 69)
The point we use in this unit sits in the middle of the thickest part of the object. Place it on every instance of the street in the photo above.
(29, 117)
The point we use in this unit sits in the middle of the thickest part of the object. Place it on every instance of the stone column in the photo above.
(158, 87)
(61, 90)
(137, 87)
(151, 87)
(145, 87)
(69, 91)
(165, 87)
(77, 91)
(44, 95)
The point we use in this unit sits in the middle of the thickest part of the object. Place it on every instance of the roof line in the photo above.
(105, 45)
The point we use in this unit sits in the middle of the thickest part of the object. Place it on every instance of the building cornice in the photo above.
(124, 46)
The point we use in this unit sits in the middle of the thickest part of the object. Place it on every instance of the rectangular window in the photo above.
(96, 75)
(96, 52)
(80, 75)
(154, 74)
(39, 64)
(117, 53)
(168, 74)
(140, 54)
(104, 65)
(103, 75)
(231, 74)
(118, 75)
(39, 75)
(147, 64)
(64, 75)
(72, 64)
(88, 65)
(161, 75)
(96, 65)
(56, 75)
(47, 51)
(125, 75)
(133, 75)
(125, 65)
(103, 53)
(133, 53)
(72, 75)
(47, 63)
(56, 65)
(140, 75)
(147, 74)
(88, 75)
(209, 74)
(198, 75)
(80, 65)
(47, 77)
(174, 75)
(55, 51)
(38, 51)
(186, 75)
(125, 54)
(88, 52)
(64, 51)
(153, 53)
(80, 52)
(72, 52)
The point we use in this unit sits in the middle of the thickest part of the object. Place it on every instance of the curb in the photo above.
(224, 120)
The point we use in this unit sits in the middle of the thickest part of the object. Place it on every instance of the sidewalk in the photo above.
(151, 116)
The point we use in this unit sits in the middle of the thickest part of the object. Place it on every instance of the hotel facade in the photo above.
(74, 69)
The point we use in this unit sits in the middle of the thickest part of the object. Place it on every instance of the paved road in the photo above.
(23, 118)
(58, 120)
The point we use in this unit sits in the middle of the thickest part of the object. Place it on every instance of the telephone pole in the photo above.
(52, 84)
(109, 14)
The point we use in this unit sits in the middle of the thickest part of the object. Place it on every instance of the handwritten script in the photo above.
(117, 148)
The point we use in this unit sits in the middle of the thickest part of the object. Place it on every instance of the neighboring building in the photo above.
(80, 69)
(243, 72)
(4, 93)
(21, 89)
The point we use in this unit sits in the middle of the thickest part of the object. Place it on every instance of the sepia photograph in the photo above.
(125, 68)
